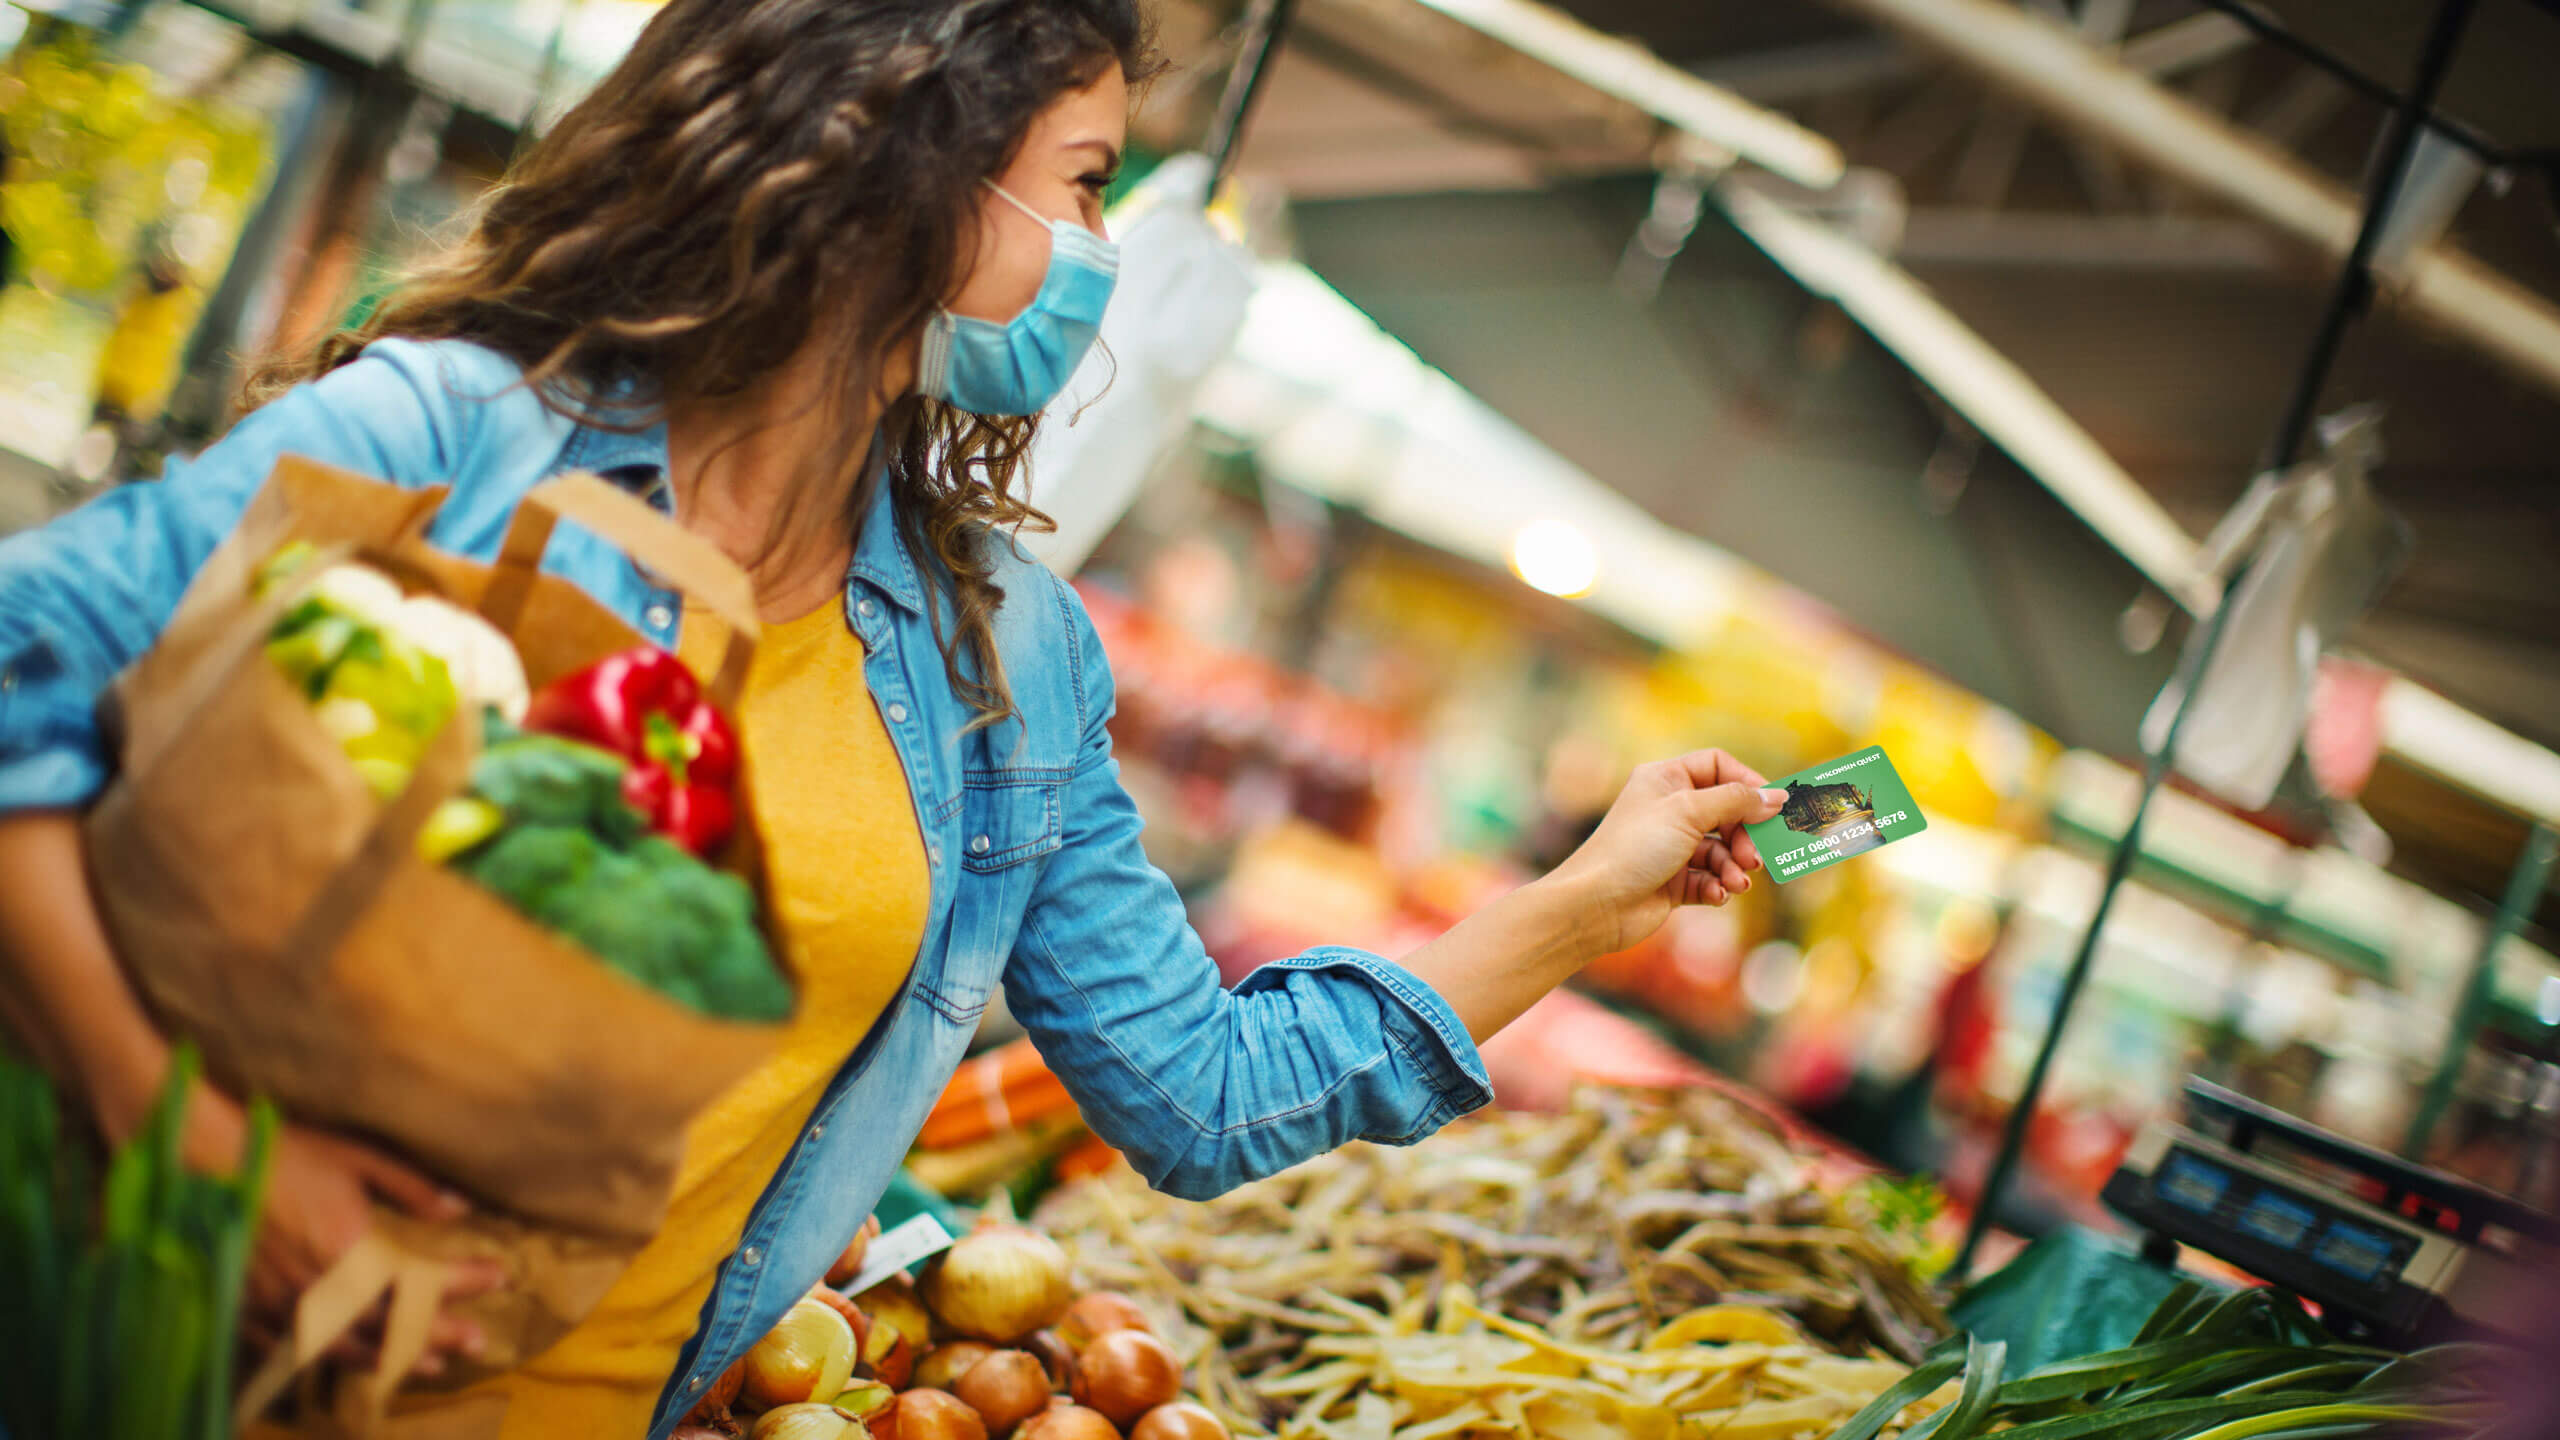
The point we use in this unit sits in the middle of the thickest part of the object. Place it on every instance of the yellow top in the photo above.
(846, 868)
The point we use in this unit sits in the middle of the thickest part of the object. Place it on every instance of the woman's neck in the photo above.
(741, 469)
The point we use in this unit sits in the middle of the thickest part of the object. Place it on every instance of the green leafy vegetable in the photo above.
(123, 1295)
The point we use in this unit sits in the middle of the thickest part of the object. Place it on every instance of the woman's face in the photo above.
(1066, 161)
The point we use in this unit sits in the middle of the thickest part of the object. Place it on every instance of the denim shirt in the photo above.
(1038, 879)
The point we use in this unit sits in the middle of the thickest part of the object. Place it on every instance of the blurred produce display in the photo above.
(132, 163)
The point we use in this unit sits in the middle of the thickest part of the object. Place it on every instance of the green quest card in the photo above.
(1834, 810)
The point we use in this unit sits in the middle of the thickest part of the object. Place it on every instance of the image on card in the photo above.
(1835, 810)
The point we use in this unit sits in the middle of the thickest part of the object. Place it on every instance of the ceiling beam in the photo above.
(1670, 94)
(1798, 73)
(2049, 66)
(2184, 45)
(1962, 237)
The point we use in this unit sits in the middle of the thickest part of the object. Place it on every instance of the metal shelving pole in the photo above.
(1265, 24)
(2348, 298)
(2524, 889)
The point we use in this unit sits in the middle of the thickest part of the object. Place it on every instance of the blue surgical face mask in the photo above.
(1018, 367)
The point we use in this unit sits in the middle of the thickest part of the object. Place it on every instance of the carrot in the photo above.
(998, 1092)
(1092, 1155)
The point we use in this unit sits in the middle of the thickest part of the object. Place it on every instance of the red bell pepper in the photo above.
(644, 705)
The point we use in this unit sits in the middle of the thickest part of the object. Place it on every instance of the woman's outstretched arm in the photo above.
(1205, 1088)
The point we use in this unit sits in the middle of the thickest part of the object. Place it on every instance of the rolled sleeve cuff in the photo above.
(50, 752)
(1418, 1023)
(50, 777)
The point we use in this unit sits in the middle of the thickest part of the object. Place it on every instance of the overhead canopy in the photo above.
(1482, 216)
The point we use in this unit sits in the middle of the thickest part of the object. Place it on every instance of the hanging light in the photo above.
(1555, 557)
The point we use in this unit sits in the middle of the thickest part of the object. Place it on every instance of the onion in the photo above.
(1097, 1313)
(808, 1422)
(1125, 1374)
(930, 1414)
(1180, 1420)
(866, 1400)
(849, 1264)
(852, 1313)
(1067, 1422)
(1005, 1389)
(1055, 1357)
(946, 1363)
(893, 1303)
(999, 1283)
(895, 1367)
(722, 1394)
(808, 1355)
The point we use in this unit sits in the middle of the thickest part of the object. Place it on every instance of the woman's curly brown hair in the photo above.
(754, 170)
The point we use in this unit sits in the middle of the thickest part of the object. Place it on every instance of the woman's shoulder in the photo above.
(427, 411)
(460, 386)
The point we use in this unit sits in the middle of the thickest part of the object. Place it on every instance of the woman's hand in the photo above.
(1673, 837)
(320, 1194)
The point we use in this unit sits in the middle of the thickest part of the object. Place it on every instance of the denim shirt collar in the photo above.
(880, 556)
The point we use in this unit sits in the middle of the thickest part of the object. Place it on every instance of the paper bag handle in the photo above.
(345, 1292)
(676, 555)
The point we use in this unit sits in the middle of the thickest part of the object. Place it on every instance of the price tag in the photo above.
(897, 1249)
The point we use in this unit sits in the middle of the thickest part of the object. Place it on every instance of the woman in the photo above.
(800, 270)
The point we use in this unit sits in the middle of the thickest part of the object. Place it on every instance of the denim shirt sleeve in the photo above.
(1205, 1088)
(83, 596)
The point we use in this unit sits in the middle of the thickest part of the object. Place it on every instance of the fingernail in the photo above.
(1775, 795)
(452, 1204)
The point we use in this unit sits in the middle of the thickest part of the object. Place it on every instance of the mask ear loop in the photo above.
(1016, 202)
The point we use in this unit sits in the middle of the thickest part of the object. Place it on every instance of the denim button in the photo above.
(933, 854)
(659, 616)
(897, 714)
(751, 1257)
(694, 1384)
(980, 845)
(818, 1129)
(862, 607)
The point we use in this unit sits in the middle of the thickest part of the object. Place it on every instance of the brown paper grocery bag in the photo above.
(269, 908)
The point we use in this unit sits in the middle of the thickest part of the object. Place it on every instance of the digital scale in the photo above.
(2396, 1250)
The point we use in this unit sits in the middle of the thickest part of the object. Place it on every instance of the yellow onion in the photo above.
(1180, 1420)
(1067, 1422)
(852, 1313)
(928, 1414)
(999, 1283)
(1125, 1374)
(894, 1366)
(1005, 1389)
(1097, 1313)
(849, 1264)
(806, 1357)
(893, 1303)
(1055, 1356)
(944, 1364)
(723, 1393)
(808, 1422)
(867, 1401)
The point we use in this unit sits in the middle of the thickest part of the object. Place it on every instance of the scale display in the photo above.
(2394, 1248)
(2227, 1199)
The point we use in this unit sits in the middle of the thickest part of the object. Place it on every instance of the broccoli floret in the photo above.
(536, 868)
(721, 951)
(544, 780)
(573, 859)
